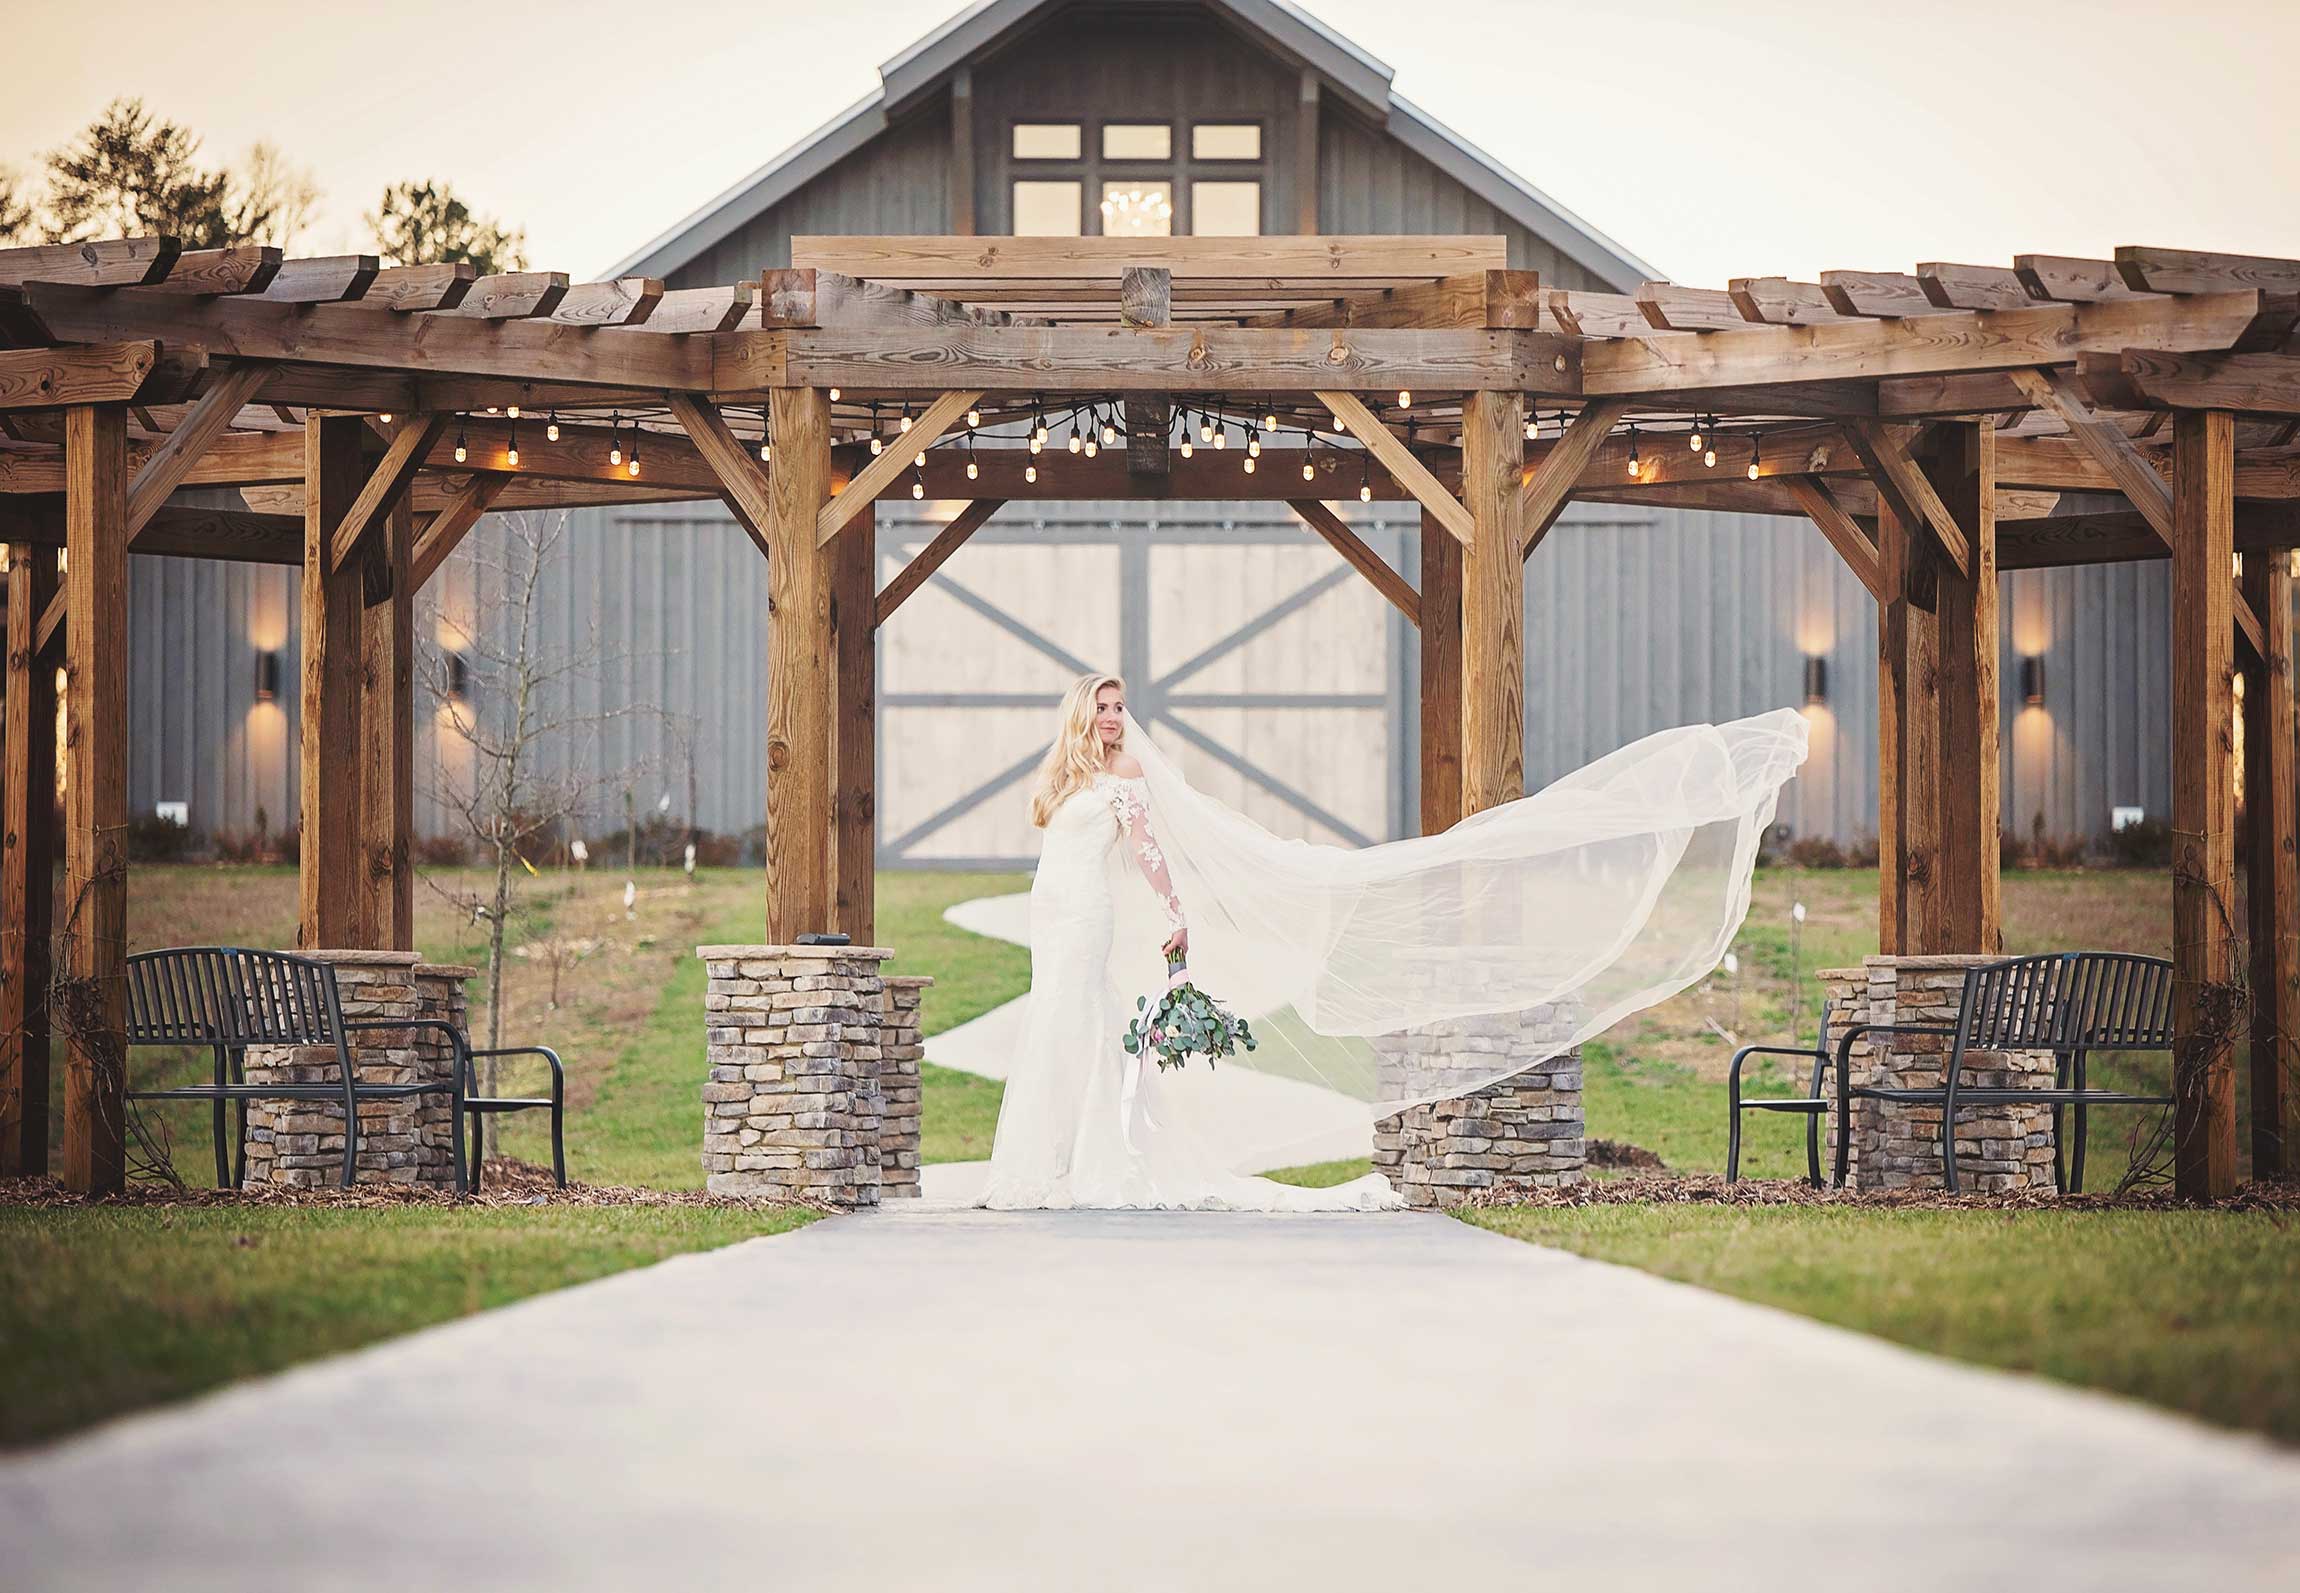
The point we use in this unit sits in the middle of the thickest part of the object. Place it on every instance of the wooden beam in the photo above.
(1843, 533)
(167, 466)
(1145, 297)
(1493, 602)
(740, 477)
(386, 485)
(2071, 279)
(2249, 629)
(684, 310)
(324, 279)
(853, 769)
(945, 412)
(27, 866)
(1904, 485)
(385, 878)
(1974, 287)
(101, 373)
(1401, 462)
(1598, 315)
(1940, 343)
(1473, 299)
(331, 911)
(926, 263)
(800, 653)
(626, 301)
(1961, 468)
(176, 531)
(2060, 540)
(447, 528)
(1441, 677)
(107, 263)
(1359, 557)
(93, 925)
(2053, 389)
(1908, 738)
(52, 618)
(932, 557)
(512, 296)
(811, 297)
(1877, 293)
(1549, 485)
(2150, 270)
(1671, 308)
(237, 268)
(2203, 804)
(1781, 302)
(2254, 384)
(407, 289)
(2272, 871)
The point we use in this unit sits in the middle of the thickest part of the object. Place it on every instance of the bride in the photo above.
(1610, 890)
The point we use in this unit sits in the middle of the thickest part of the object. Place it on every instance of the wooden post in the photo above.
(27, 865)
(94, 922)
(800, 653)
(1441, 677)
(1492, 602)
(336, 907)
(2272, 872)
(854, 730)
(1908, 739)
(962, 221)
(2203, 802)
(1967, 899)
(387, 734)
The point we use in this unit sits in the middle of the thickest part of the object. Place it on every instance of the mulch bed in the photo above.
(1709, 1189)
(508, 1183)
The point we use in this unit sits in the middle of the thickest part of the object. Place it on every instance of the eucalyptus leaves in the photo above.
(1185, 1023)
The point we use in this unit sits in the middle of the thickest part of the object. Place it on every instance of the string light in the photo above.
(1633, 453)
(461, 453)
(1205, 426)
(1038, 432)
(513, 412)
(1030, 472)
(385, 417)
(1709, 454)
(1753, 460)
(919, 462)
(918, 481)
(1269, 420)
(495, 409)
(834, 395)
(1405, 398)
(551, 427)
(1365, 479)
(1076, 442)
(1253, 443)
(615, 439)
(1109, 434)
(632, 464)
(1533, 425)
(511, 455)
(877, 443)
(1222, 437)
(1694, 443)
(973, 418)
(972, 473)
(1092, 447)
(766, 435)
(1188, 447)
(906, 419)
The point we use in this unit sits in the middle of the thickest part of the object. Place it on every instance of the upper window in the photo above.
(1047, 141)
(1137, 141)
(1226, 141)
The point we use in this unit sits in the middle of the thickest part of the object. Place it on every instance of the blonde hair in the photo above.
(1077, 755)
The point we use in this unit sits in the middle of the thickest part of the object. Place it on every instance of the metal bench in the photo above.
(227, 999)
(2069, 1003)
(1813, 1106)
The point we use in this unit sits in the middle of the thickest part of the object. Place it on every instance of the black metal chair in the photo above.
(2069, 1003)
(482, 1107)
(227, 999)
(1813, 1106)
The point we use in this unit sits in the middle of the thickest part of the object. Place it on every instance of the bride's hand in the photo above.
(1176, 943)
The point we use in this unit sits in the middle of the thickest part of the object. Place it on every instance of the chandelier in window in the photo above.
(1137, 213)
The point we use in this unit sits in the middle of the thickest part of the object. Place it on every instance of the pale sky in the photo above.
(1717, 139)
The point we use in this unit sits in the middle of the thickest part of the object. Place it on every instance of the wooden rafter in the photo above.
(2052, 388)
(1359, 557)
(447, 528)
(386, 484)
(933, 556)
(1549, 485)
(741, 480)
(941, 415)
(166, 467)
(1401, 462)
(1843, 532)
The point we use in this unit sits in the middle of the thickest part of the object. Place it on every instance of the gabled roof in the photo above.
(1358, 77)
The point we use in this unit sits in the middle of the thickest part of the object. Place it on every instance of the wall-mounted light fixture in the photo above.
(1816, 680)
(268, 675)
(458, 676)
(2032, 680)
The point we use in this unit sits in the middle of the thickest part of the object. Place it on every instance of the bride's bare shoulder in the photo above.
(1125, 765)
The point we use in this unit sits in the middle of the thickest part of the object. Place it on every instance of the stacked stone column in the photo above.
(792, 1108)
(1525, 1132)
(1897, 1144)
(404, 1140)
(900, 1049)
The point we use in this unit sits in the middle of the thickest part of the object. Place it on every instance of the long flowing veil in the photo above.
(1605, 892)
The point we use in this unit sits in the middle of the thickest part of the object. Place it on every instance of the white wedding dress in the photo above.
(1609, 890)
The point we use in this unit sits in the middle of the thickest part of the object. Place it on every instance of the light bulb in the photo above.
(495, 409)
(1254, 447)
(1205, 429)
(633, 466)
(1074, 442)
(971, 472)
(614, 454)
(1030, 472)
(1709, 457)
(1309, 471)
(385, 418)
(1365, 494)
(906, 420)
(834, 395)
(512, 458)
(1270, 420)
(1696, 439)
(877, 445)
(1038, 442)
(766, 453)
(1221, 439)
(1109, 434)
(1633, 461)
(974, 417)
(459, 450)
(513, 412)
(920, 461)
(1532, 429)
(551, 432)
(1188, 447)
(1249, 464)
(1092, 448)
(1405, 398)
(1752, 469)
(1039, 435)
(918, 489)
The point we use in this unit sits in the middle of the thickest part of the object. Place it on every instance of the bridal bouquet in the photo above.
(1185, 1022)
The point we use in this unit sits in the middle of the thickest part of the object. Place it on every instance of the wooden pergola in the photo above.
(1936, 427)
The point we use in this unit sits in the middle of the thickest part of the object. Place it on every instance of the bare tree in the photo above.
(520, 759)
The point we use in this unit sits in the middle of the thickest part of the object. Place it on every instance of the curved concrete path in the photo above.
(1120, 1401)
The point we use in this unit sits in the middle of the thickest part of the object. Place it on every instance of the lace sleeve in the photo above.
(1133, 810)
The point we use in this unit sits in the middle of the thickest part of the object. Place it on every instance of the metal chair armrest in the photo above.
(1734, 1073)
(558, 1072)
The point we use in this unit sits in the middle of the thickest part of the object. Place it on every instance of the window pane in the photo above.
(1226, 141)
(1137, 141)
(1046, 141)
(1226, 210)
(1049, 210)
(1137, 210)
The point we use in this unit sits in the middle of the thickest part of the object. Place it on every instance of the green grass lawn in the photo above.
(2196, 1311)
(107, 1309)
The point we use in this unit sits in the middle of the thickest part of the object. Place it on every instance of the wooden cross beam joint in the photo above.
(1401, 462)
(945, 412)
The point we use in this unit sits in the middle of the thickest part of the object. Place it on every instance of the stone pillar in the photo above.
(1897, 1145)
(900, 1047)
(791, 1107)
(401, 1141)
(1525, 1132)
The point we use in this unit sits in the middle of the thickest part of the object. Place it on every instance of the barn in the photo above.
(1287, 682)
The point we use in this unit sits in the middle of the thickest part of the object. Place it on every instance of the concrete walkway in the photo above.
(1145, 1401)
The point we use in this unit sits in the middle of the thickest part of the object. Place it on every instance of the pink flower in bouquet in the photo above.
(1157, 1036)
